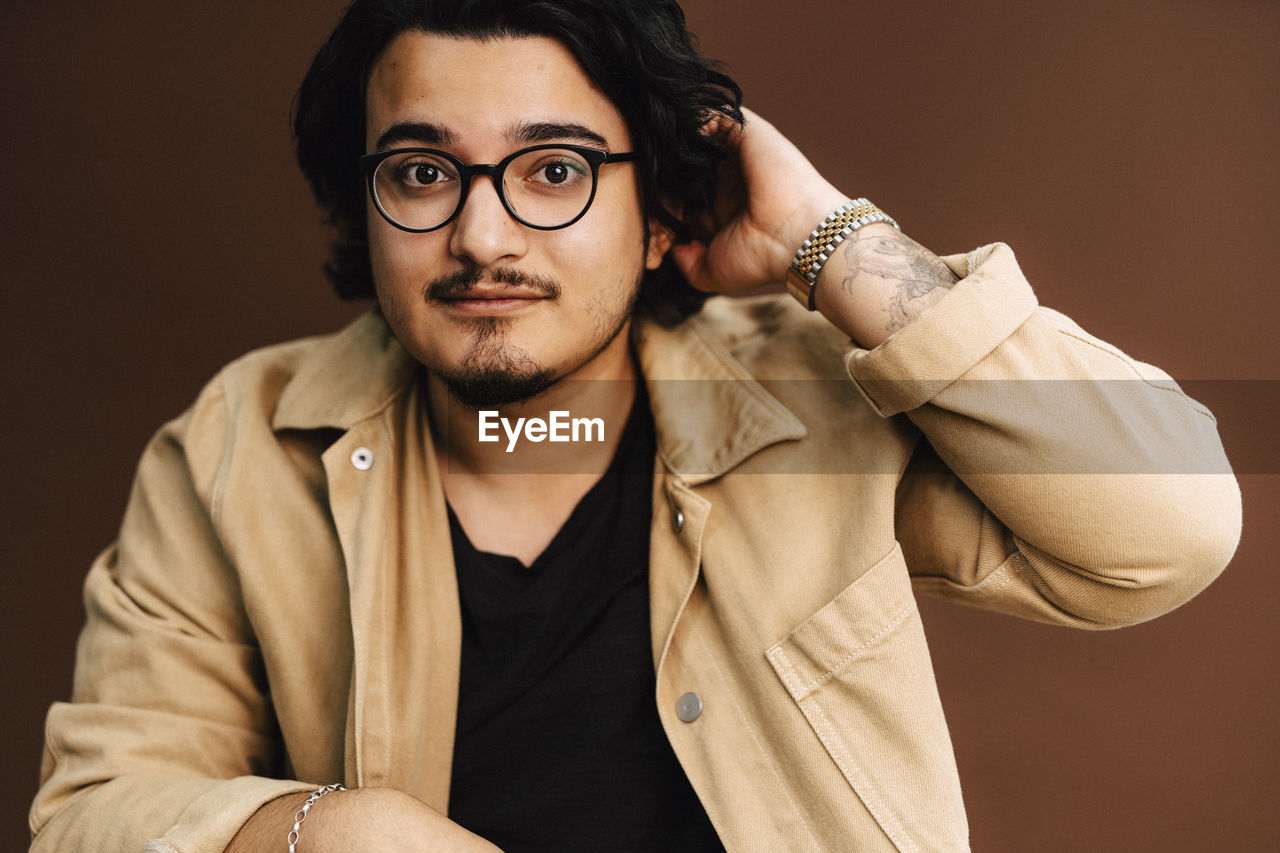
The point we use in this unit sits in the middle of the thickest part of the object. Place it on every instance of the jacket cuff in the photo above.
(991, 300)
(213, 819)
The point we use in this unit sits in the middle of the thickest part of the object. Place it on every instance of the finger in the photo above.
(691, 260)
(720, 125)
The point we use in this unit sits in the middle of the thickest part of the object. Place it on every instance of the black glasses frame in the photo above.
(466, 171)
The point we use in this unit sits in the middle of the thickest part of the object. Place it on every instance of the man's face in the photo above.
(496, 309)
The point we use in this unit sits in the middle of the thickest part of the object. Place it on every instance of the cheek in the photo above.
(387, 252)
(398, 261)
(394, 280)
(606, 245)
(608, 306)
(393, 309)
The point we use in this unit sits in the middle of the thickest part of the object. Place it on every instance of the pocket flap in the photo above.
(852, 622)
(859, 671)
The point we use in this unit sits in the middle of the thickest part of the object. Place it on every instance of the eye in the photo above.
(424, 174)
(420, 174)
(416, 173)
(558, 169)
(556, 173)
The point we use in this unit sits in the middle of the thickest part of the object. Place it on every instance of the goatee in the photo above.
(497, 372)
(495, 375)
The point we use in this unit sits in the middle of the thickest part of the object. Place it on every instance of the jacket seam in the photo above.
(679, 485)
(786, 671)
(839, 753)
(1176, 391)
(834, 670)
(218, 488)
(384, 605)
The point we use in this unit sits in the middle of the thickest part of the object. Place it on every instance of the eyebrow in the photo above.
(533, 132)
(416, 131)
(528, 133)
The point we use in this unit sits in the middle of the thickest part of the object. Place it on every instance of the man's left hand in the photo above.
(769, 201)
(770, 198)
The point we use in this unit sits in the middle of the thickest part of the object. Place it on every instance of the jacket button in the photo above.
(362, 458)
(689, 707)
(677, 524)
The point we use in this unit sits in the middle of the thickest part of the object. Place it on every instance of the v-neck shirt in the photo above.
(558, 743)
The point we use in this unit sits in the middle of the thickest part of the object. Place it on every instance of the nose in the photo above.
(484, 232)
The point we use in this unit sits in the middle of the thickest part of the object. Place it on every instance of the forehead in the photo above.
(481, 91)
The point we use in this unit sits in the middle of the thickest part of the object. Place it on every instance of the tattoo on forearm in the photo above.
(921, 278)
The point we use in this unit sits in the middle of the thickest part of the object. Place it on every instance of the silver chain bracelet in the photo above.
(306, 807)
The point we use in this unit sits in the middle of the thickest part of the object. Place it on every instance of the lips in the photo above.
(491, 301)
(493, 294)
(480, 292)
(495, 284)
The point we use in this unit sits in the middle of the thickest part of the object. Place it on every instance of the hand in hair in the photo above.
(770, 199)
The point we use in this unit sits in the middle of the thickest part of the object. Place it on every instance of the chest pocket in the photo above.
(860, 672)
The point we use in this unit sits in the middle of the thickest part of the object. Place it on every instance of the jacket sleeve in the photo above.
(170, 736)
(1058, 478)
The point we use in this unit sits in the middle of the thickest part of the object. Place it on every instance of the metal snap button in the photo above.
(677, 520)
(689, 707)
(362, 458)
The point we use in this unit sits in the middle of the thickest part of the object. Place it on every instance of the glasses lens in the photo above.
(417, 190)
(548, 187)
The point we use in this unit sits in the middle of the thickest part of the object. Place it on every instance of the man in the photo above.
(329, 573)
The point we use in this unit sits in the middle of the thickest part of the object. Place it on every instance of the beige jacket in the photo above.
(276, 609)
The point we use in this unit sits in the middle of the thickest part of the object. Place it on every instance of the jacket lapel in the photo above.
(388, 508)
(710, 415)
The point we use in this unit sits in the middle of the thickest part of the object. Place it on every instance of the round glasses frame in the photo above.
(466, 171)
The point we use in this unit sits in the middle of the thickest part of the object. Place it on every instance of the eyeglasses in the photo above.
(542, 186)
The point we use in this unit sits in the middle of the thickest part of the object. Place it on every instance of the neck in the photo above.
(512, 493)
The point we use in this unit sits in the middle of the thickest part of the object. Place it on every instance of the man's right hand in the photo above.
(379, 820)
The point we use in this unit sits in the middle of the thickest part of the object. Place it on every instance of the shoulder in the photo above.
(321, 383)
(772, 336)
(326, 381)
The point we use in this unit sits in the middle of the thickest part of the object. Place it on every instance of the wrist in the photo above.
(823, 243)
(849, 295)
(877, 282)
(300, 816)
(798, 225)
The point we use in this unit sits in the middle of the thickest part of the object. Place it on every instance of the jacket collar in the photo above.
(709, 411)
(353, 375)
(710, 414)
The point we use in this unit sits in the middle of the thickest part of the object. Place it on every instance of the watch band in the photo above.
(802, 275)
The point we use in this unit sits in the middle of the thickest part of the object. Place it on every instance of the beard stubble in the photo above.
(496, 372)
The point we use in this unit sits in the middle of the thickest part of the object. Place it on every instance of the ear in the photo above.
(660, 239)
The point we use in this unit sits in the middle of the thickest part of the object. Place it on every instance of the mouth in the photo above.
(475, 292)
(481, 301)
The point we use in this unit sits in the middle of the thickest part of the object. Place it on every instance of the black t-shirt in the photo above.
(558, 746)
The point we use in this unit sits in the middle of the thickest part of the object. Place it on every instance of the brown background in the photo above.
(154, 227)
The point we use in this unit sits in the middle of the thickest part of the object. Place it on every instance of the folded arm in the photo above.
(171, 741)
(1058, 478)
(170, 732)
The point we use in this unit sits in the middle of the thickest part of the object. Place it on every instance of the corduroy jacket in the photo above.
(280, 610)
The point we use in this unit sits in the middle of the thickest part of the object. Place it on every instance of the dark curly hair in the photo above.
(639, 53)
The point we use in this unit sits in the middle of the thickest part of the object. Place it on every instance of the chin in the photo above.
(481, 388)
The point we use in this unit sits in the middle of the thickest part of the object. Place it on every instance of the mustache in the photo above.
(454, 283)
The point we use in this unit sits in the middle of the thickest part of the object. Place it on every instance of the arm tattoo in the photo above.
(921, 278)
